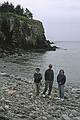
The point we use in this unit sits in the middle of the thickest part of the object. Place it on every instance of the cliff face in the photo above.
(20, 32)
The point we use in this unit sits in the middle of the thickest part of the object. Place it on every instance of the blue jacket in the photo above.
(61, 79)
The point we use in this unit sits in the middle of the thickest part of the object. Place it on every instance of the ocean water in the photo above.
(67, 58)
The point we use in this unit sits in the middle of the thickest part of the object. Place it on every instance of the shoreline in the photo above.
(18, 101)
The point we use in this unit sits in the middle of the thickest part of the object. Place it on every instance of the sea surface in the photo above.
(67, 58)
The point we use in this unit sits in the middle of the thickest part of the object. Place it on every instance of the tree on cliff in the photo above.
(6, 7)
(28, 14)
(19, 10)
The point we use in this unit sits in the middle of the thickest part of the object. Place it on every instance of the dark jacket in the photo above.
(49, 75)
(37, 77)
(61, 79)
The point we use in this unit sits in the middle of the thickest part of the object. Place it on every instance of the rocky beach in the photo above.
(18, 100)
(23, 47)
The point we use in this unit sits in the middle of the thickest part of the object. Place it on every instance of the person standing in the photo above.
(49, 78)
(61, 79)
(37, 80)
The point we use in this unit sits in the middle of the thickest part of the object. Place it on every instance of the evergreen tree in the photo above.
(19, 10)
(6, 7)
(11, 8)
(28, 14)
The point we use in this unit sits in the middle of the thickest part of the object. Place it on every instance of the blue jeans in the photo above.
(61, 91)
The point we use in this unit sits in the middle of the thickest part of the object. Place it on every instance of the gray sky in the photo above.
(61, 18)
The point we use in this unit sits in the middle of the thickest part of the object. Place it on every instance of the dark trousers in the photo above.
(37, 88)
(48, 84)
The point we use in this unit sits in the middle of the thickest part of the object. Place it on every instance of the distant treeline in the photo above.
(9, 7)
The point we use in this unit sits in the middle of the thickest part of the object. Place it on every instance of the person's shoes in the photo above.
(62, 99)
(57, 98)
(43, 95)
(50, 96)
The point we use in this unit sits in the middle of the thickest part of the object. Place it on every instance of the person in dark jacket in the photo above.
(61, 79)
(49, 78)
(37, 80)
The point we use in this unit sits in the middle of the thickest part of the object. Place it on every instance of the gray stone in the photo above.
(2, 109)
(65, 117)
(77, 118)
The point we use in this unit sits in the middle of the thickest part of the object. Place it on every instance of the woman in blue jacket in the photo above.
(61, 79)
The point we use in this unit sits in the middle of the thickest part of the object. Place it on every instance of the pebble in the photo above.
(65, 117)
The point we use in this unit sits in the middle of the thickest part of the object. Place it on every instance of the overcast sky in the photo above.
(61, 18)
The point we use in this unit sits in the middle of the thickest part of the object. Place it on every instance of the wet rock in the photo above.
(70, 115)
(18, 78)
(2, 109)
(75, 89)
(77, 118)
(11, 92)
(5, 74)
(11, 76)
(65, 117)
(32, 115)
(3, 117)
(75, 113)
(44, 118)
(6, 107)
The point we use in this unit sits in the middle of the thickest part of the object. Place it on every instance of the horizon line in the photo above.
(66, 41)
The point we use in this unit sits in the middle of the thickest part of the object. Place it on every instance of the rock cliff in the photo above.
(21, 32)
